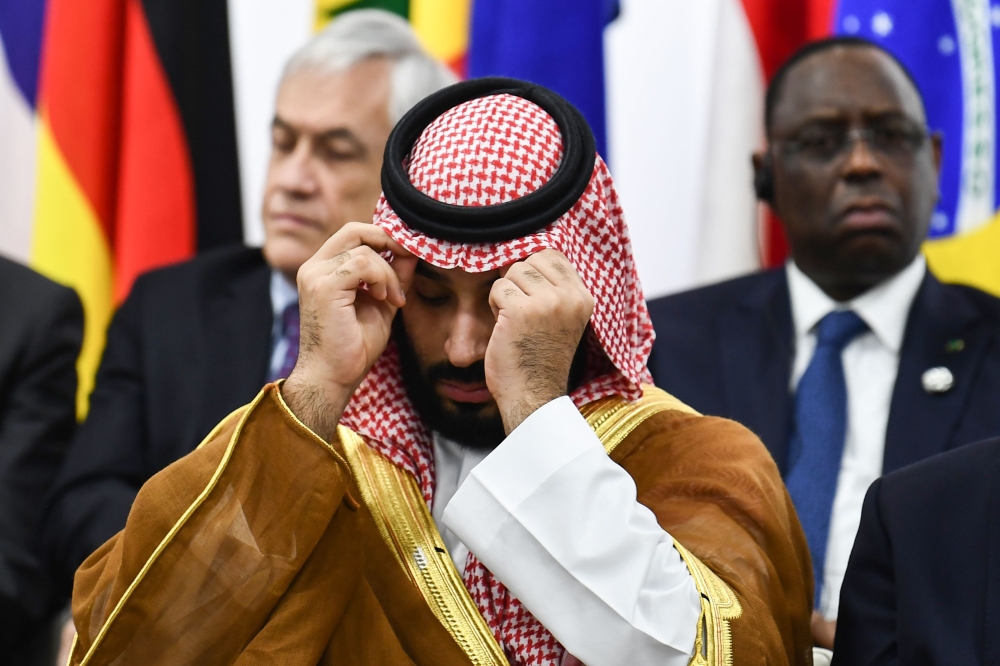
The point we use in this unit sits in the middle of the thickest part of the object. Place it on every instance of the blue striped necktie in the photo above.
(817, 443)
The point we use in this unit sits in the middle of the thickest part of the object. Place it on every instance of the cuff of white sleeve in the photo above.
(545, 442)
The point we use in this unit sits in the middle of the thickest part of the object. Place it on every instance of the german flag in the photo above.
(134, 157)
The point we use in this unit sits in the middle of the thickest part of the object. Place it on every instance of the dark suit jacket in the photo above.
(923, 582)
(727, 350)
(41, 330)
(189, 345)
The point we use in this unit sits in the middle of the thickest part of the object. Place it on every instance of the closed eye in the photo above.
(433, 300)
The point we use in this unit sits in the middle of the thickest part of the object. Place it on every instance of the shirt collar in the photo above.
(283, 294)
(884, 307)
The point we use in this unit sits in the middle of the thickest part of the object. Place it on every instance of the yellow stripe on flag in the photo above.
(69, 247)
(443, 27)
(327, 8)
(972, 258)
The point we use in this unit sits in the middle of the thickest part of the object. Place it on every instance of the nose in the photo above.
(294, 172)
(861, 163)
(468, 338)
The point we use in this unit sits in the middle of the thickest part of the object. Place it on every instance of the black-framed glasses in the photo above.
(824, 143)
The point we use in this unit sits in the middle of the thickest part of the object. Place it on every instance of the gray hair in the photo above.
(372, 33)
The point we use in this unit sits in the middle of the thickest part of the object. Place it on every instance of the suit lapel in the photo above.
(755, 345)
(921, 423)
(238, 322)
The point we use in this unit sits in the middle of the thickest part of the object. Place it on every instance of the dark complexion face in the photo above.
(860, 216)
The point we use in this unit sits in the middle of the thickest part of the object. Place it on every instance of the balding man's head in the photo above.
(808, 52)
(850, 169)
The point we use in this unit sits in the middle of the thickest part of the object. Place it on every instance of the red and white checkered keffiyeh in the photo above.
(485, 152)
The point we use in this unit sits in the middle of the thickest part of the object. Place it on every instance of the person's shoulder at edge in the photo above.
(922, 478)
(189, 283)
(986, 303)
(29, 289)
(228, 260)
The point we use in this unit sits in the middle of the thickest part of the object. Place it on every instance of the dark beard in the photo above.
(472, 425)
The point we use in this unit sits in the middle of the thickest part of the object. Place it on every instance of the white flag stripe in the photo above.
(17, 167)
(262, 36)
(684, 105)
(975, 41)
(684, 114)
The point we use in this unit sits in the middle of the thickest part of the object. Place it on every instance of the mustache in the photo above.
(445, 371)
(280, 203)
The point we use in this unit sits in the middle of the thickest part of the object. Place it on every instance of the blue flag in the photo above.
(951, 50)
(556, 43)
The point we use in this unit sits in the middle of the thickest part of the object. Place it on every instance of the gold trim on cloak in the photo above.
(407, 527)
(614, 419)
(220, 468)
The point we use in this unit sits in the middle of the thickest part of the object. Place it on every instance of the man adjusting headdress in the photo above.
(468, 464)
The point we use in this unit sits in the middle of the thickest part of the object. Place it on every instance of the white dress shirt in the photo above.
(283, 293)
(871, 362)
(557, 521)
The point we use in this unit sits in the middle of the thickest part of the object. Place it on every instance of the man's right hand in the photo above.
(343, 327)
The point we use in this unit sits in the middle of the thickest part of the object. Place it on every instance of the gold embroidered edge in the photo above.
(220, 468)
(719, 606)
(406, 526)
(613, 419)
(199, 501)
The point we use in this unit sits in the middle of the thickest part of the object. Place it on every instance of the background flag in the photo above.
(558, 44)
(113, 151)
(120, 120)
(952, 49)
(686, 84)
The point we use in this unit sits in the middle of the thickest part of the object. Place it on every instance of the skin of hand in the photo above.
(823, 631)
(343, 327)
(541, 308)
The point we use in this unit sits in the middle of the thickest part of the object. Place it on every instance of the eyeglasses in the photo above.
(825, 143)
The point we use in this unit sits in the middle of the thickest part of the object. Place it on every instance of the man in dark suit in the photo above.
(852, 360)
(923, 583)
(41, 330)
(195, 341)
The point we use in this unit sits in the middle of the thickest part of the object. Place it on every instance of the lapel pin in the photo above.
(954, 345)
(937, 380)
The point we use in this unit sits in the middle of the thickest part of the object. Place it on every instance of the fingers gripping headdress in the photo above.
(478, 176)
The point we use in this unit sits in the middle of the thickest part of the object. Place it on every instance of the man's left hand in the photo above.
(542, 309)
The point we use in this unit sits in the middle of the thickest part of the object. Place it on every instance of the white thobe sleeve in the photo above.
(557, 521)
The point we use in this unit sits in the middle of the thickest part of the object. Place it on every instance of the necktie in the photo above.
(290, 334)
(817, 443)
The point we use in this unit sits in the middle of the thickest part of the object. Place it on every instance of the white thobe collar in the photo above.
(884, 308)
(452, 465)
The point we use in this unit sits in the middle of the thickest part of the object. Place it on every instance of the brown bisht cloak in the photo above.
(268, 545)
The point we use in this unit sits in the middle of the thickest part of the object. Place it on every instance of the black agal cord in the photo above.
(502, 222)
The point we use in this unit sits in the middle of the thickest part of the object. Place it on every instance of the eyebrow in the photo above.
(424, 270)
(827, 115)
(333, 134)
